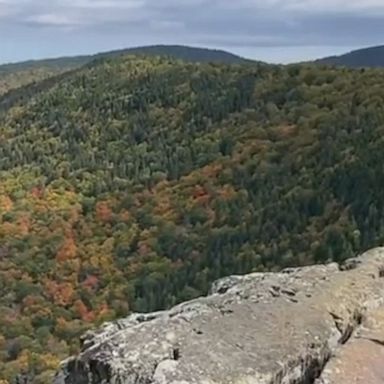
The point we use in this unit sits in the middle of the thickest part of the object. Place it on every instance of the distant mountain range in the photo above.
(40, 69)
(15, 75)
(175, 51)
(371, 57)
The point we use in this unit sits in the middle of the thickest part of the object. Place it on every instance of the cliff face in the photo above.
(320, 324)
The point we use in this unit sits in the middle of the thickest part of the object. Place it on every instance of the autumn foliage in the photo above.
(133, 183)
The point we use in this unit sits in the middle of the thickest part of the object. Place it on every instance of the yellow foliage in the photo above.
(9, 229)
(2, 343)
(49, 361)
(23, 360)
(6, 204)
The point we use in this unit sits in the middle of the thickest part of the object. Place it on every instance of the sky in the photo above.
(271, 30)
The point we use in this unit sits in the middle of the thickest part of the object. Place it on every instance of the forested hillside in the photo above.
(133, 183)
(13, 80)
(372, 57)
(15, 75)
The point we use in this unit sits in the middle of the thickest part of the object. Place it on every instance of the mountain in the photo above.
(367, 57)
(13, 76)
(193, 54)
(19, 74)
(132, 183)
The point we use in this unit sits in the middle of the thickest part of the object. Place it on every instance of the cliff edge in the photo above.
(318, 324)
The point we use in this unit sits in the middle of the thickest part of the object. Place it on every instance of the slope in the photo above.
(13, 80)
(367, 57)
(133, 183)
(19, 74)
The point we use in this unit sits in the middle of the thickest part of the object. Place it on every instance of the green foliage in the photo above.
(16, 75)
(10, 80)
(133, 183)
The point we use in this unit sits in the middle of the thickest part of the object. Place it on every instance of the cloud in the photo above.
(104, 4)
(222, 23)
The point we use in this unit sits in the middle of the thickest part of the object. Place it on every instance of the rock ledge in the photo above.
(319, 324)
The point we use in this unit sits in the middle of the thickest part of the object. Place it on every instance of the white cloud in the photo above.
(53, 19)
(103, 4)
(332, 5)
(245, 24)
(48, 12)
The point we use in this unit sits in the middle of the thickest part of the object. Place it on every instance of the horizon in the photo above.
(276, 31)
(272, 55)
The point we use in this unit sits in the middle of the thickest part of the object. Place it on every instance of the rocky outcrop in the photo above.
(319, 324)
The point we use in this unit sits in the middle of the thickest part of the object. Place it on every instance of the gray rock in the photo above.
(263, 328)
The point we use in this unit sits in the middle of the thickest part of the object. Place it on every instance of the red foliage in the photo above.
(199, 191)
(91, 283)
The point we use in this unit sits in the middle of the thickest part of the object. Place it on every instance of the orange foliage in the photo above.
(227, 192)
(162, 206)
(18, 228)
(68, 250)
(24, 224)
(37, 192)
(6, 204)
(61, 324)
(30, 300)
(83, 312)
(125, 216)
(103, 211)
(60, 293)
(212, 170)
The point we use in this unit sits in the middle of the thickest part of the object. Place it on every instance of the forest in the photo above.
(16, 75)
(134, 182)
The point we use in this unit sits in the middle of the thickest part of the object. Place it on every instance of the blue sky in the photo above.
(271, 30)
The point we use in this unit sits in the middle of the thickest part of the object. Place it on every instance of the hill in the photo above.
(134, 182)
(368, 57)
(19, 74)
(191, 54)
(10, 81)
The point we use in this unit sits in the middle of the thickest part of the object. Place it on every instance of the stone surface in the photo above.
(318, 323)
(361, 360)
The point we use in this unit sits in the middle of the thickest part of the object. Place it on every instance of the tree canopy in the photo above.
(133, 183)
